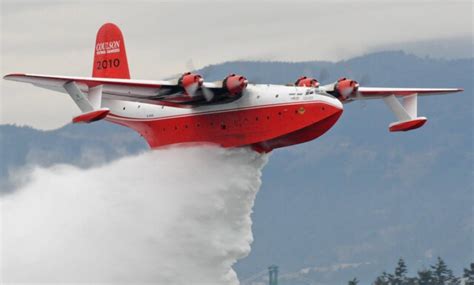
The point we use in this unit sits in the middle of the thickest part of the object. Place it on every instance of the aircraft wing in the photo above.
(167, 93)
(380, 92)
(403, 102)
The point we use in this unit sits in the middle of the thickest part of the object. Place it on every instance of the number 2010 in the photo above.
(104, 64)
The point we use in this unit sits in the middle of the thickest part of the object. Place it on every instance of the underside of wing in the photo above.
(146, 91)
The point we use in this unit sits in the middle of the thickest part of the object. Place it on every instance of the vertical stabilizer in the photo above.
(110, 58)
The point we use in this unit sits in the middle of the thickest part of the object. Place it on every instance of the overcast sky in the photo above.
(58, 38)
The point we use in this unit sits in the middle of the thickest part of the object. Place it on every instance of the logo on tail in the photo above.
(107, 47)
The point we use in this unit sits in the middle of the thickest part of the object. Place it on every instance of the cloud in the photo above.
(173, 216)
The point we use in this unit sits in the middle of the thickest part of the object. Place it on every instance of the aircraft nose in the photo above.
(334, 109)
(332, 106)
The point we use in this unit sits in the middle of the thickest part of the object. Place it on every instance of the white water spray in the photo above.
(174, 216)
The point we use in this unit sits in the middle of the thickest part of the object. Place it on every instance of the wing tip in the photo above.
(13, 75)
(455, 90)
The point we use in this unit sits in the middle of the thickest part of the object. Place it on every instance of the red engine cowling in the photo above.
(345, 88)
(304, 81)
(235, 84)
(190, 82)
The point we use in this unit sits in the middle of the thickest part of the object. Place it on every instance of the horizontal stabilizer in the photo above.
(91, 116)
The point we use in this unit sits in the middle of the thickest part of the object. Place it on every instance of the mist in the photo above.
(171, 216)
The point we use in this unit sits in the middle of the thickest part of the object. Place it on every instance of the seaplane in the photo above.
(230, 113)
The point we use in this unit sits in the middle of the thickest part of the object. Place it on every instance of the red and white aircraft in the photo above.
(230, 113)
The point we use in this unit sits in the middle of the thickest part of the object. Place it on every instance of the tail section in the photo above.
(110, 58)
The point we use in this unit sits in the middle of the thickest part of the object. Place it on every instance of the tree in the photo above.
(442, 274)
(353, 282)
(382, 279)
(411, 281)
(425, 277)
(438, 274)
(401, 269)
(469, 275)
(400, 277)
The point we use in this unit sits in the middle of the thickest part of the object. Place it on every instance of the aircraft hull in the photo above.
(262, 127)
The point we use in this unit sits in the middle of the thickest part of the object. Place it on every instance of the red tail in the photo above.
(110, 58)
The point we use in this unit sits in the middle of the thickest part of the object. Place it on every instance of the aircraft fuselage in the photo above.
(264, 117)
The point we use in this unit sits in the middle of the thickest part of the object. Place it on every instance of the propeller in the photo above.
(190, 82)
(235, 84)
(323, 74)
(192, 88)
(207, 93)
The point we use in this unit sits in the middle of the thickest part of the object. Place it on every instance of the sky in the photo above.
(163, 37)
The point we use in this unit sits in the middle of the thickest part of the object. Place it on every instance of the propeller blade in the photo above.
(208, 94)
(347, 91)
(191, 89)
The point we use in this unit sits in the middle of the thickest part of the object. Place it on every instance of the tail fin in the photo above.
(110, 58)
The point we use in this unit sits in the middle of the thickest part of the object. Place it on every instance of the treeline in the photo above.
(437, 274)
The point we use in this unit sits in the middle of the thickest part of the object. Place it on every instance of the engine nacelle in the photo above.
(304, 81)
(345, 88)
(235, 84)
(190, 82)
